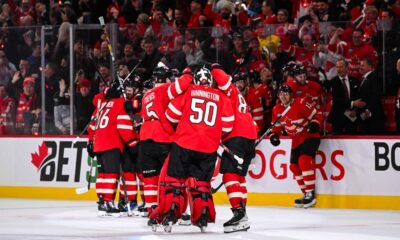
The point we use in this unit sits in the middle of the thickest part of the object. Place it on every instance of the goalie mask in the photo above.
(203, 77)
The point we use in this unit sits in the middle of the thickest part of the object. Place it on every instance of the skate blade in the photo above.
(154, 227)
(203, 229)
(144, 214)
(168, 228)
(107, 215)
(242, 226)
(298, 205)
(184, 222)
(311, 204)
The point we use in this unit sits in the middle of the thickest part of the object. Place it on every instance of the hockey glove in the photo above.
(313, 127)
(112, 92)
(130, 108)
(274, 139)
(216, 66)
(137, 127)
(189, 69)
(90, 149)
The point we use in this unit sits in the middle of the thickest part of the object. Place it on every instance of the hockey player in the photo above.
(302, 87)
(302, 123)
(129, 161)
(112, 130)
(201, 113)
(241, 142)
(156, 134)
(241, 81)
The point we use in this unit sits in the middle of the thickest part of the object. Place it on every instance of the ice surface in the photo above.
(45, 220)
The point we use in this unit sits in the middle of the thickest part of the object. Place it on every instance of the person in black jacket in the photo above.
(344, 92)
(371, 117)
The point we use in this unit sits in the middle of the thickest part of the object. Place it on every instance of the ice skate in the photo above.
(309, 199)
(168, 221)
(153, 224)
(298, 203)
(239, 221)
(123, 208)
(139, 209)
(107, 209)
(202, 222)
(184, 220)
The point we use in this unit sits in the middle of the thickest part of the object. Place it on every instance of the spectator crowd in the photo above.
(350, 48)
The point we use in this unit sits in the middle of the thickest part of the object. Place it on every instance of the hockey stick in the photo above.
(269, 130)
(126, 194)
(87, 188)
(120, 80)
(230, 153)
(90, 122)
(214, 190)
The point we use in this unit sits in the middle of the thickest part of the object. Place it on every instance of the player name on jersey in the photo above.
(205, 94)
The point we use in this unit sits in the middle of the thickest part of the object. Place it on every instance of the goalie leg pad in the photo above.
(171, 198)
(202, 202)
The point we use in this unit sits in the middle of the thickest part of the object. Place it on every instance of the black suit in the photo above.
(370, 91)
(341, 102)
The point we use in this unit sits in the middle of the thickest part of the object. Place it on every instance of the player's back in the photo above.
(244, 125)
(110, 121)
(155, 125)
(203, 113)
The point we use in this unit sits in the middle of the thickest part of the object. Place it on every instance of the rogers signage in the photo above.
(343, 166)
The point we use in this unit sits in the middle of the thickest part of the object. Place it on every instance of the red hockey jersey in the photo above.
(311, 90)
(244, 125)
(255, 107)
(113, 126)
(296, 120)
(202, 114)
(155, 125)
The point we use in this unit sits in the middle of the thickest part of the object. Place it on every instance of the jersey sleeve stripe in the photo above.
(260, 109)
(174, 110)
(178, 88)
(227, 85)
(123, 117)
(312, 114)
(173, 120)
(228, 119)
(170, 96)
(226, 129)
(123, 126)
(258, 118)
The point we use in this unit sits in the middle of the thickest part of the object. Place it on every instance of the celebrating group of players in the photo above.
(168, 138)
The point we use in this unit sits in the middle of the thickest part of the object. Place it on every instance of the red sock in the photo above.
(233, 188)
(106, 185)
(131, 186)
(306, 164)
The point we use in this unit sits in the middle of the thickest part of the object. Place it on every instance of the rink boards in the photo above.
(351, 172)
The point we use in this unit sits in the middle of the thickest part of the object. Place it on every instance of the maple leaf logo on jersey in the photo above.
(38, 157)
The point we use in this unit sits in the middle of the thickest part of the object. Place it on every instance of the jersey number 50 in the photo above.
(204, 112)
